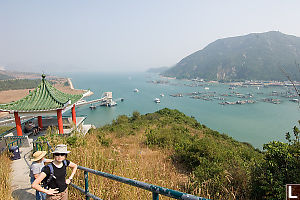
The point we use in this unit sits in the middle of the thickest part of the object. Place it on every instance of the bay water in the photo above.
(256, 123)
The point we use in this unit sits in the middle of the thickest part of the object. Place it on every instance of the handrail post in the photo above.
(86, 181)
(155, 196)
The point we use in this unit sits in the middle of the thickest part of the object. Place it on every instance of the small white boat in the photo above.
(136, 90)
(112, 103)
(206, 88)
(157, 100)
(162, 95)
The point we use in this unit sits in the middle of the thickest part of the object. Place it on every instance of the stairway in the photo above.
(21, 188)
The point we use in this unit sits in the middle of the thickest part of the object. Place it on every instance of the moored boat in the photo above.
(157, 100)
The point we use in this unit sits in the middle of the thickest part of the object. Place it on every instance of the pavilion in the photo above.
(45, 100)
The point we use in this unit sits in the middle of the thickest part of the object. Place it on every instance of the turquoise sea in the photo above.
(256, 123)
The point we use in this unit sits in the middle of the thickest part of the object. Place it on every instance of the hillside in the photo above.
(256, 56)
(165, 148)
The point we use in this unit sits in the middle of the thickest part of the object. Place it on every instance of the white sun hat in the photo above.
(61, 148)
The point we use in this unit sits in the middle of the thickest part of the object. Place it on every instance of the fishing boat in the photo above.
(157, 100)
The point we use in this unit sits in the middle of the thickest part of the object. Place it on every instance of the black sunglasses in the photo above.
(59, 154)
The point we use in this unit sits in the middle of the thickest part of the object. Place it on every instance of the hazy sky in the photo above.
(128, 35)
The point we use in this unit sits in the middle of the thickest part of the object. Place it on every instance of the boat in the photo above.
(162, 95)
(136, 90)
(206, 88)
(157, 100)
(109, 103)
(176, 95)
(112, 103)
(92, 107)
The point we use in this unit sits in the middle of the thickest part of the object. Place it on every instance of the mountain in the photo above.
(157, 70)
(256, 56)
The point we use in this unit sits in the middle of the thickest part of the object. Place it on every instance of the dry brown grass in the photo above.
(5, 182)
(67, 89)
(127, 157)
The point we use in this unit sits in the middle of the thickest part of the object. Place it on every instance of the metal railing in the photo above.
(18, 141)
(156, 190)
(14, 128)
(32, 118)
(39, 146)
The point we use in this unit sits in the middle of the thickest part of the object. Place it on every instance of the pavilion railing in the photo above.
(13, 129)
(17, 140)
(156, 190)
(30, 119)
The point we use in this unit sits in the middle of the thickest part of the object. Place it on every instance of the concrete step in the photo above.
(21, 188)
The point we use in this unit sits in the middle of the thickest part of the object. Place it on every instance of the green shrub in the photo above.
(122, 119)
(279, 167)
(136, 115)
(103, 140)
(72, 140)
(66, 83)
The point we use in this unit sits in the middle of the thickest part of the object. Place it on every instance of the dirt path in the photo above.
(20, 176)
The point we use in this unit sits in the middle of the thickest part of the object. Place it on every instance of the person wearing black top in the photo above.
(58, 184)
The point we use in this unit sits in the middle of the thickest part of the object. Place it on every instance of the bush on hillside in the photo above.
(220, 166)
(279, 167)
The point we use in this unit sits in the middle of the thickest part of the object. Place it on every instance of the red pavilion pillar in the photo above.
(18, 124)
(40, 121)
(60, 122)
(74, 114)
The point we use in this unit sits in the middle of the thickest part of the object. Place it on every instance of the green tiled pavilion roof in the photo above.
(44, 98)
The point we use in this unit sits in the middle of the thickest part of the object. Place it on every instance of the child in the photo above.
(57, 185)
(38, 162)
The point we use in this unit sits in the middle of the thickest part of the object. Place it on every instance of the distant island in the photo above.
(256, 56)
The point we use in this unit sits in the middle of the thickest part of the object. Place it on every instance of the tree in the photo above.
(279, 167)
